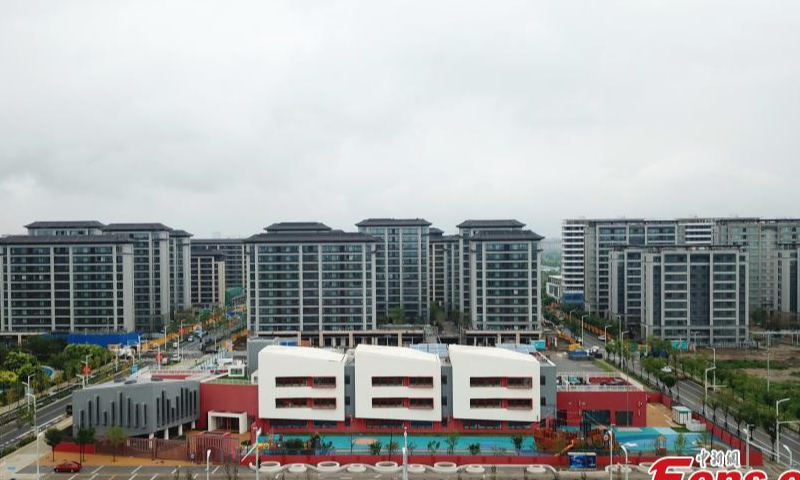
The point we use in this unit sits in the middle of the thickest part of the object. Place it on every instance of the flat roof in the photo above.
(297, 227)
(397, 352)
(305, 352)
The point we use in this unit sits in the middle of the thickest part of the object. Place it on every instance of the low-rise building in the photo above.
(555, 286)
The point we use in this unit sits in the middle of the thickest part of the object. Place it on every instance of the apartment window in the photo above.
(420, 382)
(519, 382)
(477, 382)
(387, 403)
(387, 381)
(324, 403)
(323, 382)
(519, 404)
(290, 382)
(485, 403)
(291, 403)
(421, 403)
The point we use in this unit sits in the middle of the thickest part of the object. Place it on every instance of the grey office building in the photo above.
(401, 265)
(208, 278)
(504, 280)
(443, 269)
(466, 230)
(142, 407)
(233, 248)
(696, 293)
(66, 283)
(307, 277)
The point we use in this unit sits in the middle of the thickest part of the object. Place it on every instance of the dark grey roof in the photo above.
(66, 224)
(433, 231)
(297, 227)
(135, 227)
(215, 241)
(490, 235)
(179, 233)
(64, 239)
(312, 237)
(207, 252)
(444, 238)
(392, 222)
(508, 223)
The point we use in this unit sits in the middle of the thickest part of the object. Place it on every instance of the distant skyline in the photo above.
(219, 117)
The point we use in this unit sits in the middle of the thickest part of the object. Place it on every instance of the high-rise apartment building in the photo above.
(233, 248)
(151, 276)
(504, 280)
(179, 275)
(466, 230)
(401, 265)
(693, 293)
(66, 283)
(787, 279)
(67, 227)
(208, 278)
(589, 242)
(443, 269)
(307, 277)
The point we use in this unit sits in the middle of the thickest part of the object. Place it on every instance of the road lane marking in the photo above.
(154, 477)
(98, 469)
(70, 478)
(215, 470)
(136, 470)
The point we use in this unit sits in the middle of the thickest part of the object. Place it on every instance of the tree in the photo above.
(669, 382)
(398, 315)
(517, 440)
(375, 448)
(52, 437)
(452, 441)
(85, 437)
(115, 436)
(474, 448)
(767, 422)
(433, 445)
(391, 448)
(680, 443)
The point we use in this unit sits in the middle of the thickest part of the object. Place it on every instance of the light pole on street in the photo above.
(582, 330)
(208, 462)
(790, 454)
(405, 453)
(747, 431)
(705, 387)
(605, 334)
(778, 428)
(625, 450)
(714, 350)
(38, 436)
(611, 453)
(258, 467)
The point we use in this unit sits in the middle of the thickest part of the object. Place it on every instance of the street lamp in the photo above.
(405, 453)
(778, 428)
(208, 462)
(582, 330)
(705, 387)
(86, 373)
(605, 334)
(713, 349)
(625, 450)
(790, 454)
(38, 436)
(610, 453)
(258, 466)
(747, 431)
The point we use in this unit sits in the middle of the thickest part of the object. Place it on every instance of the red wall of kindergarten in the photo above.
(226, 397)
(575, 402)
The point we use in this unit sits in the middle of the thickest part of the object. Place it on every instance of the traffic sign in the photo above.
(86, 370)
(159, 357)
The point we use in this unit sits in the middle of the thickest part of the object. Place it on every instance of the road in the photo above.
(217, 472)
(46, 416)
(691, 394)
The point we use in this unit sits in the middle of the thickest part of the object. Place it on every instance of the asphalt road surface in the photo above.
(113, 472)
(692, 394)
(45, 417)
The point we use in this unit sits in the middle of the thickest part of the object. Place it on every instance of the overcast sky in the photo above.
(221, 117)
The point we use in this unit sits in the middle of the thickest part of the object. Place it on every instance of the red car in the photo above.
(68, 466)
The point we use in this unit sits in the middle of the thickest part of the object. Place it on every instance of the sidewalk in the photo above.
(25, 456)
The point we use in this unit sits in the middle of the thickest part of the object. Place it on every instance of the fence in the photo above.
(223, 449)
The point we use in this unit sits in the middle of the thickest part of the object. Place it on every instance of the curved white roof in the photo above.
(396, 352)
(304, 352)
(493, 352)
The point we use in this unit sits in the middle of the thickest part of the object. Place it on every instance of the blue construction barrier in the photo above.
(102, 339)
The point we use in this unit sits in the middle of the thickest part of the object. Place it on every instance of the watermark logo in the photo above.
(711, 465)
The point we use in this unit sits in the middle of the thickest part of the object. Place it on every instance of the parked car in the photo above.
(602, 338)
(666, 369)
(68, 466)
